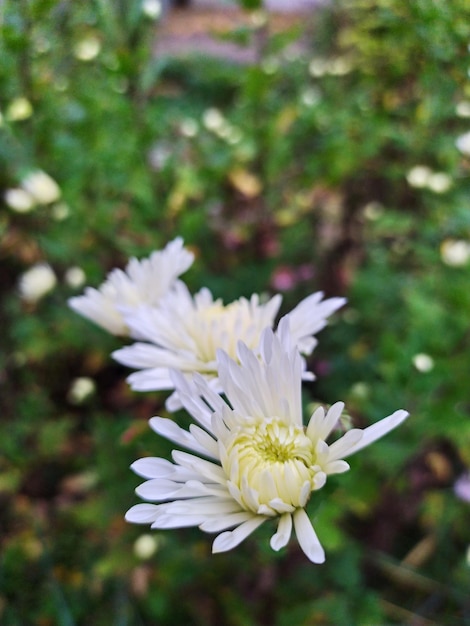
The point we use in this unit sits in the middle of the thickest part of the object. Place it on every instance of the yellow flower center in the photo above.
(272, 459)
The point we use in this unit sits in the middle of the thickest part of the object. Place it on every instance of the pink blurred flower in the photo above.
(462, 487)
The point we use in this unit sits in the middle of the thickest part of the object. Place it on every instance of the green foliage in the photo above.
(300, 166)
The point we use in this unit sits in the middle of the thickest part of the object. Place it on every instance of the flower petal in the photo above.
(170, 430)
(342, 446)
(284, 530)
(231, 538)
(377, 430)
(229, 520)
(307, 537)
(142, 513)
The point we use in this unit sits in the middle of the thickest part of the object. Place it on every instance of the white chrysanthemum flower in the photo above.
(143, 282)
(251, 459)
(186, 331)
(36, 282)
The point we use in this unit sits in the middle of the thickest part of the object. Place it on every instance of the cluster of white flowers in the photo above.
(249, 458)
(37, 187)
(421, 176)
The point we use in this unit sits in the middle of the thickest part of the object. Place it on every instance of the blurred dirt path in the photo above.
(199, 27)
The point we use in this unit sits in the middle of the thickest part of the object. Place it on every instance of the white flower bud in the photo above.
(36, 282)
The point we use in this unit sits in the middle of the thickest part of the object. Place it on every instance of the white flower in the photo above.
(213, 119)
(75, 277)
(310, 96)
(419, 176)
(36, 282)
(19, 200)
(189, 127)
(463, 144)
(87, 49)
(141, 283)
(186, 331)
(439, 182)
(463, 109)
(152, 8)
(455, 252)
(41, 187)
(81, 389)
(423, 362)
(251, 459)
(145, 546)
(19, 109)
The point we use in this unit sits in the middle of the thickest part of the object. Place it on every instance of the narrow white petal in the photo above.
(158, 489)
(152, 467)
(307, 537)
(211, 505)
(170, 430)
(231, 538)
(331, 419)
(227, 521)
(142, 513)
(154, 379)
(206, 469)
(318, 482)
(374, 432)
(177, 521)
(309, 317)
(336, 467)
(315, 424)
(342, 446)
(143, 355)
(206, 441)
(284, 530)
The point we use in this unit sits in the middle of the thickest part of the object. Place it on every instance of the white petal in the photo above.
(336, 467)
(205, 506)
(177, 521)
(331, 419)
(142, 513)
(374, 432)
(206, 469)
(154, 379)
(171, 431)
(207, 442)
(309, 317)
(280, 506)
(342, 446)
(152, 467)
(231, 538)
(143, 355)
(315, 424)
(227, 521)
(284, 530)
(157, 489)
(307, 537)
(307, 488)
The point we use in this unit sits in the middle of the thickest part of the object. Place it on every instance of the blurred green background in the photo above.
(329, 161)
